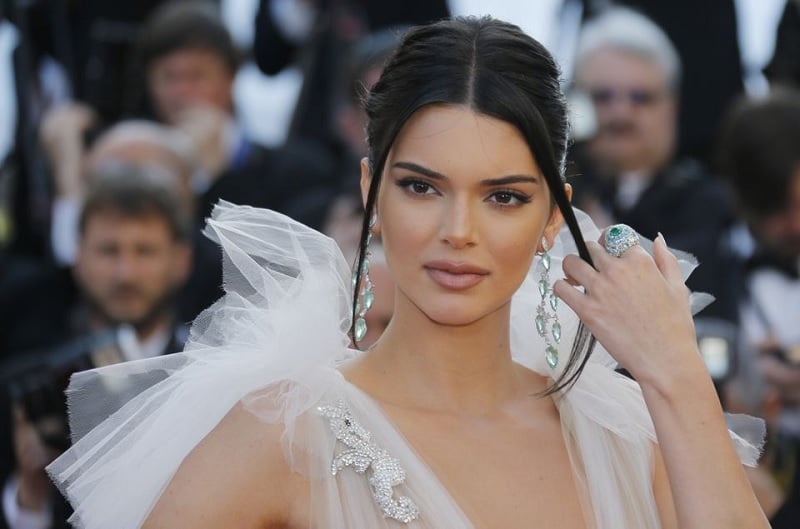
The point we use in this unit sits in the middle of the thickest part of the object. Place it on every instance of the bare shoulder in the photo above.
(663, 492)
(236, 477)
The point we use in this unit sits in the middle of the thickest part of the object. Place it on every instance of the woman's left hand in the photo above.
(636, 306)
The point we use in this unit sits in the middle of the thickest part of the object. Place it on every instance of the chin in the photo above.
(457, 316)
(128, 317)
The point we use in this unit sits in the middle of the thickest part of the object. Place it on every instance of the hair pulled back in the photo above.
(495, 69)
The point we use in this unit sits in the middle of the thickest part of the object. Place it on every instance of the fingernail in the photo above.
(661, 236)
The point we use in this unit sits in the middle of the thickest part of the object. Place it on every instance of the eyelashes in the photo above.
(499, 197)
(510, 197)
(416, 186)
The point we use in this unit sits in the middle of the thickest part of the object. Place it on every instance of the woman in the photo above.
(468, 412)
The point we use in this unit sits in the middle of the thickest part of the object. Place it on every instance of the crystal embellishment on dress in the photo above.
(363, 454)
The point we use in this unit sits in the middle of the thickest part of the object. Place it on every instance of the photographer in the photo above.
(760, 153)
(133, 256)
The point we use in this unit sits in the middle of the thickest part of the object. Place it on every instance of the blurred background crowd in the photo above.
(122, 124)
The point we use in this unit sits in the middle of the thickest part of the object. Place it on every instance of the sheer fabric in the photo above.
(274, 342)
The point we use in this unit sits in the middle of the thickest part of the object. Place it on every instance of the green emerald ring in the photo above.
(619, 238)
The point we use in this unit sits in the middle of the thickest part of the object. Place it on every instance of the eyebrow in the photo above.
(503, 180)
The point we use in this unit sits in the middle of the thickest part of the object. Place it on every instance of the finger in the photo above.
(600, 256)
(574, 298)
(666, 262)
(572, 281)
(579, 271)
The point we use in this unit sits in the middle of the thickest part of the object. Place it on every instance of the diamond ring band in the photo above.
(619, 238)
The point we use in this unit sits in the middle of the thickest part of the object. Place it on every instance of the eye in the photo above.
(417, 187)
(421, 188)
(509, 198)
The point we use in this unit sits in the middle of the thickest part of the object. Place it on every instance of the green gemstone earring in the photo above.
(367, 296)
(547, 322)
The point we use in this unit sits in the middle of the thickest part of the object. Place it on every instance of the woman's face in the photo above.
(462, 210)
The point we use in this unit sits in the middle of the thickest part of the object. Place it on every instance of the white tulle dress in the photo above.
(273, 343)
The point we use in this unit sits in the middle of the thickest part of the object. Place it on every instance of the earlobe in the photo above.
(568, 192)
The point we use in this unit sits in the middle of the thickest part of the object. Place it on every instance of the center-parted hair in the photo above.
(495, 69)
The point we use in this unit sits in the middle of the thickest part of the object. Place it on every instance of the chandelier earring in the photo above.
(546, 320)
(365, 296)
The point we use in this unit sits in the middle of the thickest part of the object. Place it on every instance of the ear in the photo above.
(556, 220)
(366, 182)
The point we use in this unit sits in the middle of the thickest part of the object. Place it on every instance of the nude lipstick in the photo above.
(454, 275)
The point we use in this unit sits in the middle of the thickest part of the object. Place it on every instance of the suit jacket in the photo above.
(41, 343)
(690, 207)
(285, 179)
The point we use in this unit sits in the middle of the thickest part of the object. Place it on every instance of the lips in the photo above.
(455, 276)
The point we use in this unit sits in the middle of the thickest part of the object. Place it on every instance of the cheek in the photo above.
(159, 272)
(661, 122)
(400, 248)
(516, 254)
(98, 269)
(214, 88)
(405, 228)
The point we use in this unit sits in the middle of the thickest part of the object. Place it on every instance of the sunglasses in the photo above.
(638, 97)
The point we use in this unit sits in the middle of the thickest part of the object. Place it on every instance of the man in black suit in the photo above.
(628, 168)
(134, 254)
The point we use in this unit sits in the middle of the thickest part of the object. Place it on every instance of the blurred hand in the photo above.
(62, 135)
(207, 128)
(637, 307)
(32, 457)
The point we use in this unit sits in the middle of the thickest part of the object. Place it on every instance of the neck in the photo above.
(458, 369)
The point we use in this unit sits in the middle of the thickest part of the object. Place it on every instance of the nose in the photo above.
(458, 224)
(125, 266)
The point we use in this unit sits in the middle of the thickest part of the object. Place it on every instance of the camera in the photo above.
(37, 380)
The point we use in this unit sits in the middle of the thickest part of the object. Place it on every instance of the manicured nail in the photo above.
(661, 236)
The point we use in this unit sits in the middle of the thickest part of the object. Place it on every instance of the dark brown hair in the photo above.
(136, 192)
(185, 24)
